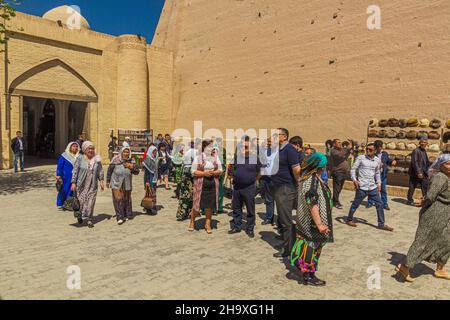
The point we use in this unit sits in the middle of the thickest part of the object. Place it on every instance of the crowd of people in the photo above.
(289, 176)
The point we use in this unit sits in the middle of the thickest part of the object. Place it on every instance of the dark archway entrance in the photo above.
(50, 124)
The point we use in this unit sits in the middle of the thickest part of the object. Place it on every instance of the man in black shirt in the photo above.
(418, 170)
(18, 147)
(246, 170)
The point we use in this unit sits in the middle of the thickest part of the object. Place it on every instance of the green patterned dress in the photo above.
(308, 246)
(432, 242)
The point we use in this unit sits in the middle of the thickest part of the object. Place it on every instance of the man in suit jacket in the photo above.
(18, 148)
(418, 170)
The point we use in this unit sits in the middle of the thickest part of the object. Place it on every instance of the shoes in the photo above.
(351, 224)
(250, 234)
(387, 208)
(234, 231)
(281, 254)
(404, 272)
(310, 279)
(90, 225)
(338, 206)
(386, 228)
(369, 205)
(442, 274)
(120, 222)
(265, 223)
(410, 203)
(80, 220)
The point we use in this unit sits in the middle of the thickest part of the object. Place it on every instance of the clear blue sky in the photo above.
(107, 16)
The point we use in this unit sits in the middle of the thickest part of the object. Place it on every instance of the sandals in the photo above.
(208, 231)
(442, 274)
(191, 228)
(404, 272)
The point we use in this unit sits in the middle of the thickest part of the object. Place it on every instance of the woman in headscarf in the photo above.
(432, 242)
(186, 185)
(314, 227)
(206, 170)
(119, 179)
(87, 173)
(150, 163)
(64, 171)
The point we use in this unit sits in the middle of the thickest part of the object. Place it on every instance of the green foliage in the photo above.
(7, 11)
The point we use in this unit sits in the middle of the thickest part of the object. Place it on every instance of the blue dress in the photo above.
(64, 170)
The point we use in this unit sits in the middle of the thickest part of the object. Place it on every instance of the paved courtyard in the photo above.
(154, 257)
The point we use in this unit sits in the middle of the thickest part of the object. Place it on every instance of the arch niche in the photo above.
(57, 81)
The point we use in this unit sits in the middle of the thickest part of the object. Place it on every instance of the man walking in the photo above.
(285, 180)
(339, 168)
(246, 172)
(17, 146)
(367, 184)
(418, 170)
(386, 162)
(267, 158)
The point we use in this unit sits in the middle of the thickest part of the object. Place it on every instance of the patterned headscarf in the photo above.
(312, 164)
(86, 145)
(119, 158)
(436, 166)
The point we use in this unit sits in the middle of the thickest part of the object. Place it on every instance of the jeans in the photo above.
(375, 197)
(284, 196)
(413, 183)
(266, 193)
(338, 184)
(18, 157)
(383, 193)
(240, 197)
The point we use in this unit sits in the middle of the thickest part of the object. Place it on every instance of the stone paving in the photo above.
(154, 257)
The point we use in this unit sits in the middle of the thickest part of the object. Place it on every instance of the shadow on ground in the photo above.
(343, 220)
(419, 270)
(15, 183)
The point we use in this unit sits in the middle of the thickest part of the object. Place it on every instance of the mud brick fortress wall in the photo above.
(310, 66)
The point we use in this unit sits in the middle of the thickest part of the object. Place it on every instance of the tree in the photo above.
(7, 11)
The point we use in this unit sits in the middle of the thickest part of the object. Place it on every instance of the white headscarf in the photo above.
(86, 145)
(69, 156)
(150, 152)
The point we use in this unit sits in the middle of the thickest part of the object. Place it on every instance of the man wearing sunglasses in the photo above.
(368, 184)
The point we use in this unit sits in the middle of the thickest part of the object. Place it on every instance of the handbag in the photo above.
(227, 187)
(59, 185)
(72, 203)
(148, 203)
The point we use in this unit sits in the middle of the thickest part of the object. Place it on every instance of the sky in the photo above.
(107, 16)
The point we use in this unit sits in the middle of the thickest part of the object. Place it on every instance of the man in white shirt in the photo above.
(368, 184)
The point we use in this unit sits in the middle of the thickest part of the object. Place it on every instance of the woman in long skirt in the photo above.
(64, 172)
(177, 161)
(150, 165)
(432, 242)
(186, 185)
(314, 226)
(119, 179)
(87, 175)
(206, 170)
